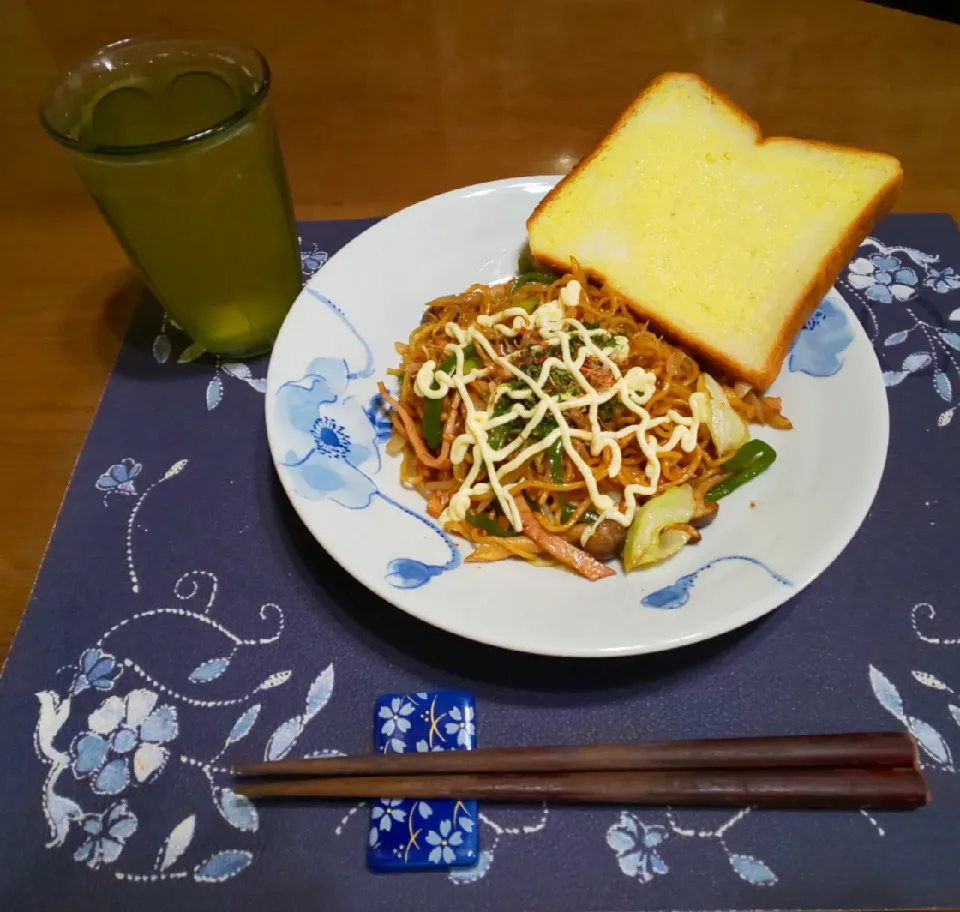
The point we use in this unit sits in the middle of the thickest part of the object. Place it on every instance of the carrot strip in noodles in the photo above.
(565, 552)
(438, 502)
(413, 434)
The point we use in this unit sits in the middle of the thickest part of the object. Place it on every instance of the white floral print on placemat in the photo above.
(638, 845)
(935, 750)
(311, 258)
(163, 349)
(128, 728)
(888, 282)
(121, 478)
(129, 738)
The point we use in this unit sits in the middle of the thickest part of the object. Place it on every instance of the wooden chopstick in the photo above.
(892, 789)
(860, 751)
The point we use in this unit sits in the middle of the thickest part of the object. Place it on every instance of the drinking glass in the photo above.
(175, 142)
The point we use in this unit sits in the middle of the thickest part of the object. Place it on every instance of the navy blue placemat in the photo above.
(183, 620)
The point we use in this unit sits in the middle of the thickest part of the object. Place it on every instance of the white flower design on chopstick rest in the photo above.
(385, 813)
(443, 840)
(461, 725)
(395, 717)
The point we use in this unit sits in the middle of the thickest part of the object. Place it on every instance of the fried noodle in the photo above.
(558, 504)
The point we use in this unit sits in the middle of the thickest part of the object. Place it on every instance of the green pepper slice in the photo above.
(753, 458)
(489, 525)
(432, 421)
(533, 278)
(555, 455)
(498, 436)
(525, 261)
(587, 517)
(555, 458)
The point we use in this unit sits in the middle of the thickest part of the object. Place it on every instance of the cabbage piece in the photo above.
(727, 428)
(646, 542)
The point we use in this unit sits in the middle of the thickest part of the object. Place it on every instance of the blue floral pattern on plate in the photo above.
(677, 594)
(331, 439)
(819, 347)
(423, 834)
(330, 436)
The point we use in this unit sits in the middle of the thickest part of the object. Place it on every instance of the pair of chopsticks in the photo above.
(878, 770)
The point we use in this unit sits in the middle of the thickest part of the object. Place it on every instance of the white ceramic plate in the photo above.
(771, 538)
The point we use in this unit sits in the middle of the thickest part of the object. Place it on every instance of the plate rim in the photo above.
(757, 609)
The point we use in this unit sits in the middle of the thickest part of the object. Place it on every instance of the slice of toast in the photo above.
(725, 241)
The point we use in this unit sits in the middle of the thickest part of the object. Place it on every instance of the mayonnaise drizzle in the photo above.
(633, 389)
(428, 376)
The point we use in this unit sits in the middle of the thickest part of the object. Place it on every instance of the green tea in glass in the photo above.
(175, 142)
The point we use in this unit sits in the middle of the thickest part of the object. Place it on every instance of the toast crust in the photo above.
(807, 301)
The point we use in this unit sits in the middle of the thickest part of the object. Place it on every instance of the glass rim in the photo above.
(146, 148)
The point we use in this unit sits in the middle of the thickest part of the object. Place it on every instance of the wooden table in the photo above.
(383, 103)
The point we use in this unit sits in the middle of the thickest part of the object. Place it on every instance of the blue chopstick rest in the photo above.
(413, 835)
